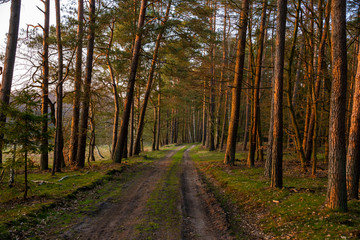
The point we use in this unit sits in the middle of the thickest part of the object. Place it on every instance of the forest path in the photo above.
(118, 220)
(166, 201)
(203, 218)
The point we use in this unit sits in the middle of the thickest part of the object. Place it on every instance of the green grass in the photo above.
(284, 213)
(163, 212)
(15, 211)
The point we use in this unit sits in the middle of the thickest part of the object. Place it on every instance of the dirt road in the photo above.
(128, 217)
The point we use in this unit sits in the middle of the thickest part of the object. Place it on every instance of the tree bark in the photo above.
(158, 118)
(9, 62)
(119, 149)
(236, 88)
(59, 144)
(277, 147)
(221, 84)
(336, 190)
(256, 100)
(44, 157)
(74, 136)
(149, 84)
(80, 156)
(353, 153)
(293, 119)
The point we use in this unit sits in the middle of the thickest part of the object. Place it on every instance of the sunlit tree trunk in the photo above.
(256, 100)
(277, 147)
(289, 96)
(353, 153)
(121, 141)
(9, 62)
(74, 137)
(336, 190)
(80, 156)
(140, 127)
(316, 89)
(236, 88)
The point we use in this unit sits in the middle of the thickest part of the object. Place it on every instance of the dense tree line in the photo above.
(131, 73)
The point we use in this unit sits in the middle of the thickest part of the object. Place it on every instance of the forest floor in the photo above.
(165, 199)
(180, 192)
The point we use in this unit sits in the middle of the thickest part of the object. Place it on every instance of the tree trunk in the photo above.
(204, 116)
(277, 147)
(59, 144)
(293, 119)
(153, 147)
(140, 126)
(9, 62)
(118, 153)
(80, 156)
(131, 145)
(336, 190)
(316, 92)
(74, 137)
(221, 84)
(44, 157)
(353, 153)
(159, 118)
(236, 88)
(114, 88)
(256, 100)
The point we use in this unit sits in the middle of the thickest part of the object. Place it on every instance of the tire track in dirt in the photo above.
(117, 220)
(203, 218)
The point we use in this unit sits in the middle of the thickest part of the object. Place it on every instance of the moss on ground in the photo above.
(19, 216)
(163, 213)
(295, 212)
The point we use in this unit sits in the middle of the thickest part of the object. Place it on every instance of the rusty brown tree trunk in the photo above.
(236, 88)
(149, 84)
(74, 136)
(121, 141)
(277, 147)
(80, 155)
(256, 100)
(353, 153)
(336, 190)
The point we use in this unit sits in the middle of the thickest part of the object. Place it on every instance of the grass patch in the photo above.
(297, 211)
(21, 215)
(163, 214)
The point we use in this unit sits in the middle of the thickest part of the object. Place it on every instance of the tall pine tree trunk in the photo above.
(9, 62)
(59, 144)
(149, 84)
(353, 153)
(336, 190)
(44, 157)
(277, 147)
(236, 88)
(121, 141)
(74, 137)
(256, 100)
(80, 156)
